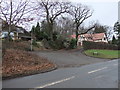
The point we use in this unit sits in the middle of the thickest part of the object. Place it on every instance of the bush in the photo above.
(72, 44)
(58, 43)
(34, 43)
(66, 44)
(98, 45)
(46, 43)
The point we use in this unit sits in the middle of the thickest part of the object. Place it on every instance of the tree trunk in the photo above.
(77, 34)
(9, 38)
(51, 30)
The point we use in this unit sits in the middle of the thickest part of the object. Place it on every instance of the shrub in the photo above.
(46, 44)
(66, 44)
(58, 43)
(34, 43)
(98, 45)
(72, 44)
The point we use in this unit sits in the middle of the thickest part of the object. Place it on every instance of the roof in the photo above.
(96, 36)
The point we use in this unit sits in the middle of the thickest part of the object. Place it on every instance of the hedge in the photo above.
(98, 45)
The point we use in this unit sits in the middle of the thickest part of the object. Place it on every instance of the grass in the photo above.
(107, 54)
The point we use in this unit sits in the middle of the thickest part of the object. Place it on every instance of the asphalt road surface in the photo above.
(99, 75)
(69, 58)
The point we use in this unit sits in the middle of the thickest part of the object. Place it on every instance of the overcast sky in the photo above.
(105, 11)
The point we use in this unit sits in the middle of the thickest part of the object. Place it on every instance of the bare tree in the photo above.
(66, 26)
(15, 12)
(51, 11)
(109, 32)
(80, 13)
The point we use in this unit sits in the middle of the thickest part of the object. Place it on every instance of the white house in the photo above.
(98, 37)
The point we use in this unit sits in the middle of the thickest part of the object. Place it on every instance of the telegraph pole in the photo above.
(31, 47)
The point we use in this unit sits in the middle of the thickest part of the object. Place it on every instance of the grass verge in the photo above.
(107, 54)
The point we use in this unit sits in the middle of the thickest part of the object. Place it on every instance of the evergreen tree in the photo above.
(37, 31)
(33, 30)
(117, 29)
(99, 29)
(45, 27)
(113, 40)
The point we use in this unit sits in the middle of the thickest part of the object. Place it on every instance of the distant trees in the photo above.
(65, 26)
(99, 29)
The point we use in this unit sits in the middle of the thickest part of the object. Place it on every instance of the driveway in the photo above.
(70, 58)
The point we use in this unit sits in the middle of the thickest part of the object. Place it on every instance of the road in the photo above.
(69, 58)
(99, 75)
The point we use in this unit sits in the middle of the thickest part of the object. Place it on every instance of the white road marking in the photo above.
(97, 70)
(53, 83)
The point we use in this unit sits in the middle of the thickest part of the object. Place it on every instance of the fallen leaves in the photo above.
(17, 62)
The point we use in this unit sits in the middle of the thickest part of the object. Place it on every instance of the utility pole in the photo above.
(31, 47)
(10, 22)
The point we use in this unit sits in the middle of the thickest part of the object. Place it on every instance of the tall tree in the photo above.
(65, 26)
(36, 31)
(113, 40)
(15, 12)
(52, 10)
(80, 14)
(117, 30)
(99, 29)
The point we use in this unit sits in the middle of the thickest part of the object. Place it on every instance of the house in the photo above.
(16, 31)
(4, 35)
(98, 37)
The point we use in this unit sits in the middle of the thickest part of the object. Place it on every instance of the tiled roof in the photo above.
(97, 36)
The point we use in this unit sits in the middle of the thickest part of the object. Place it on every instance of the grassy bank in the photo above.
(107, 54)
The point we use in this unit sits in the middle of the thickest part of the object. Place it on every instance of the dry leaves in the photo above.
(19, 62)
